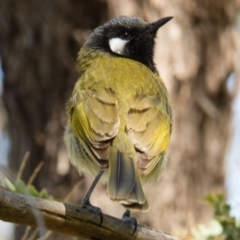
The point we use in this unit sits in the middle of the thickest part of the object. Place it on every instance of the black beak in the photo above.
(153, 27)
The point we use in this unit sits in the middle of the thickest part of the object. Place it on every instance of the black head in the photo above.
(129, 37)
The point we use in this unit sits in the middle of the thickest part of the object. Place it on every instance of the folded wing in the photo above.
(149, 128)
(94, 119)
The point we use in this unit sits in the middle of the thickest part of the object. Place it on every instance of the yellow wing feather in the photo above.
(149, 128)
(94, 120)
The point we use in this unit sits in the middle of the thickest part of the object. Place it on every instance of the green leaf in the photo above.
(43, 194)
(10, 185)
(209, 199)
(20, 186)
(33, 191)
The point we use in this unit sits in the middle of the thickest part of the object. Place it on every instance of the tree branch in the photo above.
(70, 220)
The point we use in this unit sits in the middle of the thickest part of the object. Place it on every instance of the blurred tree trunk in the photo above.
(39, 41)
(196, 52)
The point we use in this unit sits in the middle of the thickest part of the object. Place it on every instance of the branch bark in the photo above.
(71, 220)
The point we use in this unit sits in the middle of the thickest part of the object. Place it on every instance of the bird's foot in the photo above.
(127, 218)
(96, 210)
(86, 203)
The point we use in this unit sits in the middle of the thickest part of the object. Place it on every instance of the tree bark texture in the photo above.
(196, 52)
(70, 220)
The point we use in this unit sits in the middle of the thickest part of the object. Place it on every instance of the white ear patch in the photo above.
(117, 45)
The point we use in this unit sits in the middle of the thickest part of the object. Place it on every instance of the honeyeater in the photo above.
(119, 115)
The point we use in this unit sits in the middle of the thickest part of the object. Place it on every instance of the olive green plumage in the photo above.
(119, 119)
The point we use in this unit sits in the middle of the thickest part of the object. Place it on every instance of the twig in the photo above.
(23, 164)
(72, 190)
(35, 173)
(26, 233)
(71, 220)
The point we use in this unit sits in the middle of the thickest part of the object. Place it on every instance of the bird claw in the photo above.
(96, 210)
(85, 204)
(128, 219)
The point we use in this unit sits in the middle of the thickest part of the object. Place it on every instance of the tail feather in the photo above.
(124, 183)
(138, 207)
(137, 195)
(121, 175)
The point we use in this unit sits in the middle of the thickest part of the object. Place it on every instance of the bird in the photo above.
(119, 115)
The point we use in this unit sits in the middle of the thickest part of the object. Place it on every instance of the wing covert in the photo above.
(95, 121)
(149, 127)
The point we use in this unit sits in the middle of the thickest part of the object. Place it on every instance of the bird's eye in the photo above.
(125, 35)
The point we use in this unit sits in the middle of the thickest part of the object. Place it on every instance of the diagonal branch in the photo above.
(67, 219)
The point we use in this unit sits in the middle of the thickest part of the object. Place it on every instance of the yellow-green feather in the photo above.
(119, 107)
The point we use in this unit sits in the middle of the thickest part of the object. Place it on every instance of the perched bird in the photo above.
(119, 116)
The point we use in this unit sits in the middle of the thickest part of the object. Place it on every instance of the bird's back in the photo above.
(137, 104)
(126, 77)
